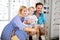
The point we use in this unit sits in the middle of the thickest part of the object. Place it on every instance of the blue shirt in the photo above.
(15, 23)
(41, 18)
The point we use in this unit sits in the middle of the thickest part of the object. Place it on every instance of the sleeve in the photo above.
(21, 34)
(26, 18)
(18, 23)
(35, 19)
(44, 19)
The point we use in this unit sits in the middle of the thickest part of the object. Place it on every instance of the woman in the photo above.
(17, 22)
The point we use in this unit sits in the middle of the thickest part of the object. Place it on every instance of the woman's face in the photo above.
(24, 11)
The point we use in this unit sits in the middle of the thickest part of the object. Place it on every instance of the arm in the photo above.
(27, 21)
(17, 23)
(45, 25)
(20, 25)
(30, 31)
(44, 20)
(27, 29)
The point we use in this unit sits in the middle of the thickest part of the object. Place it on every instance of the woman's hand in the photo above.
(27, 21)
(30, 31)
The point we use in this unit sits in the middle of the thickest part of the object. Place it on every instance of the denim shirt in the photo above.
(15, 22)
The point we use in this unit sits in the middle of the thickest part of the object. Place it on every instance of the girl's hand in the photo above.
(29, 21)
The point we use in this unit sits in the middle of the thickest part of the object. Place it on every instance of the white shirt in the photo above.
(33, 19)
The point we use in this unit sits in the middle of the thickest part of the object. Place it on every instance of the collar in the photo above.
(35, 13)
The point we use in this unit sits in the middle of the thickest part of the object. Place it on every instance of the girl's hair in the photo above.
(30, 7)
(21, 8)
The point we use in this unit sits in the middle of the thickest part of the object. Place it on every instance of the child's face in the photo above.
(31, 11)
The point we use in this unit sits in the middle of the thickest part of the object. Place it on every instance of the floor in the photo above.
(34, 38)
(43, 37)
(55, 39)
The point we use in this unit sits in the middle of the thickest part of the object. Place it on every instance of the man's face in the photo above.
(39, 8)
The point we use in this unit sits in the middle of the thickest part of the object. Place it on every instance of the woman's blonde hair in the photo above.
(21, 8)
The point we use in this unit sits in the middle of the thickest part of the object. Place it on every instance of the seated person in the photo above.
(31, 21)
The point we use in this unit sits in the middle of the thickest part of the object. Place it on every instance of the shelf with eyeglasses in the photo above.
(4, 10)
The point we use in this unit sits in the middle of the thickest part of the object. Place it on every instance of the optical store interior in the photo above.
(50, 14)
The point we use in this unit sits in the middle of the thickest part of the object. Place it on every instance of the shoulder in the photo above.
(42, 14)
(16, 18)
(34, 15)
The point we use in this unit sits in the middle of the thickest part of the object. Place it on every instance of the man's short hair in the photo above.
(39, 3)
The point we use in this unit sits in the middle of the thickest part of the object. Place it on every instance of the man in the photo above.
(40, 15)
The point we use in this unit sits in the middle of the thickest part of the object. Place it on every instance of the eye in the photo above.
(38, 8)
